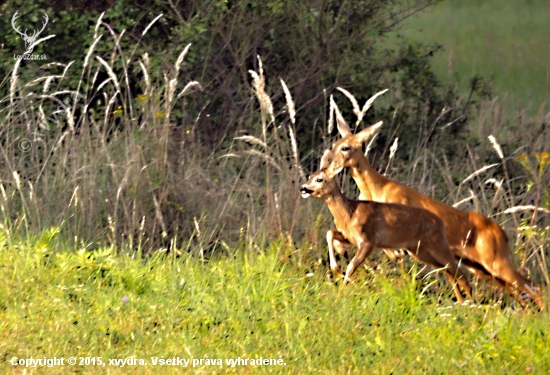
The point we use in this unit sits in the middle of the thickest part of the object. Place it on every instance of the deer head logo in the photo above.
(29, 39)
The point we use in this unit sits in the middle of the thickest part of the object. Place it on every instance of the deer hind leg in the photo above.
(457, 277)
(480, 272)
(521, 287)
(443, 257)
(456, 289)
(499, 265)
(365, 249)
(336, 241)
(463, 282)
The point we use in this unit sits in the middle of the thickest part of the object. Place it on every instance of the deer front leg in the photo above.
(335, 240)
(365, 249)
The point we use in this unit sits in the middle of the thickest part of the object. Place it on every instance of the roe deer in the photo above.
(479, 242)
(340, 246)
(368, 224)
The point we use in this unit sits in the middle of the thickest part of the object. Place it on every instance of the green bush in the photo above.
(315, 47)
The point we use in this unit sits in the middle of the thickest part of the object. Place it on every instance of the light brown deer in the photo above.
(368, 224)
(479, 242)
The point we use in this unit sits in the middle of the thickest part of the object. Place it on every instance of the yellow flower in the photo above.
(542, 157)
(521, 158)
(141, 97)
(118, 111)
(159, 114)
(217, 180)
(544, 160)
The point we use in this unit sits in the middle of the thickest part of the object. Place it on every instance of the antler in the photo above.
(46, 19)
(360, 113)
(17, 28)
(341, 124)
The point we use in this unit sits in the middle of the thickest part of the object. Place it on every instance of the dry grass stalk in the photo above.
(266, 106)
(496, 146)
(478, 172)
(525, 208)
(330, 127)
(151, 24)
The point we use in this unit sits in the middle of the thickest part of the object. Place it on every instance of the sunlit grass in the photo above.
(108, 304)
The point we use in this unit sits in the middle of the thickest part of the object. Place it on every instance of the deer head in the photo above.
(29, 39)
(320, 184)
(347, 151)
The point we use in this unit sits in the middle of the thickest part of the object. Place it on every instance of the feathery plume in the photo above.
(151, 24)
(496, 146)
(181, 57)
(331, 115)
(289, 102)
(479, 171)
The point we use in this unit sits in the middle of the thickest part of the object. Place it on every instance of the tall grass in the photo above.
(113, 164)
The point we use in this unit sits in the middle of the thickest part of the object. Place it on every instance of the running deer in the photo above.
(334, 240)
(479, 242)
(368, 224)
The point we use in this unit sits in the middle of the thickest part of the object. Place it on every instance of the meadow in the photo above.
(128, 245)
(505, 42)
(113, 304)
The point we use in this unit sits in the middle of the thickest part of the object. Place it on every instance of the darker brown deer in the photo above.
(368, 224)
(333, 239)
(477, 241)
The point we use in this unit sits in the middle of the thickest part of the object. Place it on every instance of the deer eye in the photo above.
(346, 148)
(319, 180)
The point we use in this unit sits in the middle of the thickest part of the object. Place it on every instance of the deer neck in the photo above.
(340, 207)
(368, 180)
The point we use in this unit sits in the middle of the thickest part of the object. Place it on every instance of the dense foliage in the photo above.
(315, 46)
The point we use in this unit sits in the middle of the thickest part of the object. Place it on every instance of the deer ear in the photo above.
(326, 159)
(333, 171)
(366, 134)
(341, 124)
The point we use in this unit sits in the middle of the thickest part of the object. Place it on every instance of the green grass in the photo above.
(506, 40)
(114, 305)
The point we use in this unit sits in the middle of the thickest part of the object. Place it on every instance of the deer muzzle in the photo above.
(306, 193)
